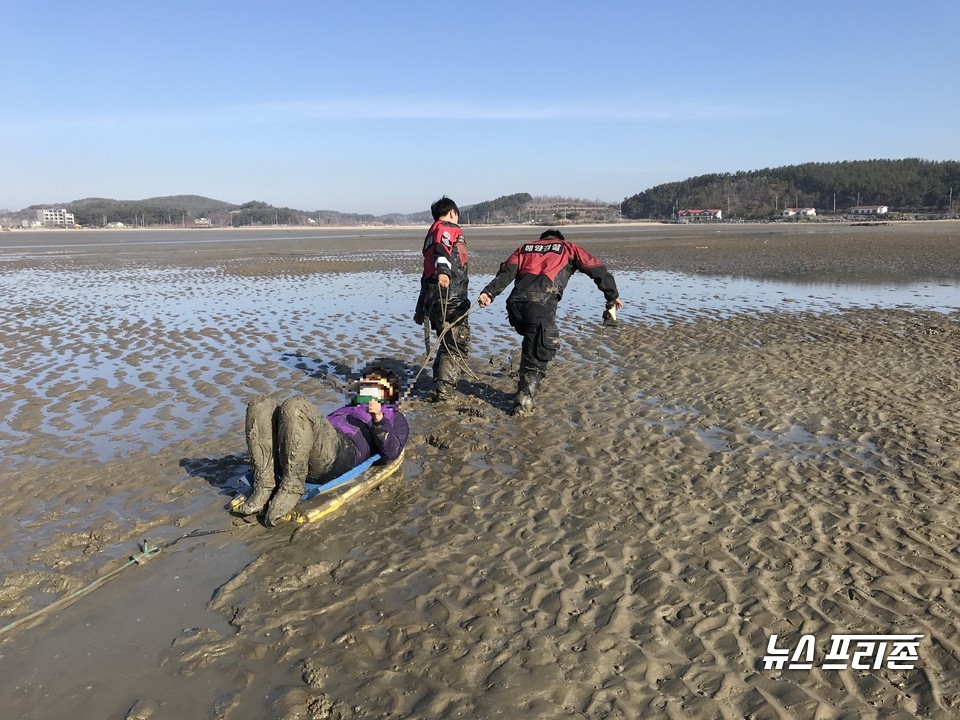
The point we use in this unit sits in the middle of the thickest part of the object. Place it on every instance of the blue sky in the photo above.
(384, 106)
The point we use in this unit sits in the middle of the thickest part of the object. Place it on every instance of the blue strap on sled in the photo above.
(314, 490)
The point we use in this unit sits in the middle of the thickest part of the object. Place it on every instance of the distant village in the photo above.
(694, 215)
(60, 218)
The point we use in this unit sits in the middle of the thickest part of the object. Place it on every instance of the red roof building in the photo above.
(699, 214)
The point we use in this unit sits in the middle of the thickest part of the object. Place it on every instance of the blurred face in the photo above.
(368, 389)
(366, 393)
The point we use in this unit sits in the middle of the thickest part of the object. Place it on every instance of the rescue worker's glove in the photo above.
(418, 318)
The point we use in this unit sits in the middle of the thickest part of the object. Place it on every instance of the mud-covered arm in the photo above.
(591, 266)
(390, 434)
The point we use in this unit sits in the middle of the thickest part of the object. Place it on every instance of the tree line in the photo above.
(185, 210)
(505, 208)
(525, 208)
(910, 185)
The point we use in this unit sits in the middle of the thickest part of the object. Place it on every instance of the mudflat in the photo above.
(714, 471)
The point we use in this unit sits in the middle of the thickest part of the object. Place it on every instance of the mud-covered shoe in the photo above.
(282, 504)
(522, 404)
(256, 502)
(443, 391)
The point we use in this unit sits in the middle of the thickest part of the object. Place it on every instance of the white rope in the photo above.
(430, 350)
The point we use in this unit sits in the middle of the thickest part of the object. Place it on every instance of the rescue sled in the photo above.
(318, 501)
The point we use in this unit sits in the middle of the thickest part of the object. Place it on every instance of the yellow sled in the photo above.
(360, 480)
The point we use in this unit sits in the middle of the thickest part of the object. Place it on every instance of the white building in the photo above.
(869, 210)
(806, 212)
(55, 217)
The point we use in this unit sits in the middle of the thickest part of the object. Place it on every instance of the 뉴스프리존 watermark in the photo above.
(856, 652)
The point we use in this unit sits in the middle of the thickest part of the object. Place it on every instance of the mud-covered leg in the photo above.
(260, 428)
(307, 444)
(541, 338)
(445, 376)
(452, 353)
(527, 386)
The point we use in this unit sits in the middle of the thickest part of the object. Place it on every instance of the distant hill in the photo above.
(502, 209)
(191, 210)
(170, 210)
(192, 202)
(910, 185)
(524, 208)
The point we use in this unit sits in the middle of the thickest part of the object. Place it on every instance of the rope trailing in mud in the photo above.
(431, 348)
(455, 352)
(146, 551)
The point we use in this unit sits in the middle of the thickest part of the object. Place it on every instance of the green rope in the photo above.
(147, 551)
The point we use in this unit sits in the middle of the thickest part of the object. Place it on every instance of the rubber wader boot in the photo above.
(258, 500)
(446, 374)
(527, 387)
(264, 481)
(288, 494)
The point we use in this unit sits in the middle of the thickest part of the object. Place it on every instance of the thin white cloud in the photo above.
(390, 108)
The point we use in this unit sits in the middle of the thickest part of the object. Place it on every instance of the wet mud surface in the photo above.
(767, 444)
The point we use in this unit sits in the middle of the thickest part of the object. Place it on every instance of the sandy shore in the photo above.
(690, 487)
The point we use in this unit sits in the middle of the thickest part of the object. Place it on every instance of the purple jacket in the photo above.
(386, 437)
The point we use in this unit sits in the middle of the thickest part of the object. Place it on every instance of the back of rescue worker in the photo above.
(540, 271)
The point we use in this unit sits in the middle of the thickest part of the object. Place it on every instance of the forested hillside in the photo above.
(910, 185)
(185, 210)
(172, 210)
(501, 209)
(524, 208)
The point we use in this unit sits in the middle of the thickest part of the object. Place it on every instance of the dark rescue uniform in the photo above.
(445, 253)
(541, 271)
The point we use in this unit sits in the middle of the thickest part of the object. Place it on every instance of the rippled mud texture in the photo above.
(628, 553)
(699, 478)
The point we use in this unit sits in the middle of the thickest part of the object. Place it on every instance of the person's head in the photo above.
(552, 235)
(442, 208)
(376, 384)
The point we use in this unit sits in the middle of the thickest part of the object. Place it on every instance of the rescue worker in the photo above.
(293, 442)
(541, 271)
(443, 294)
